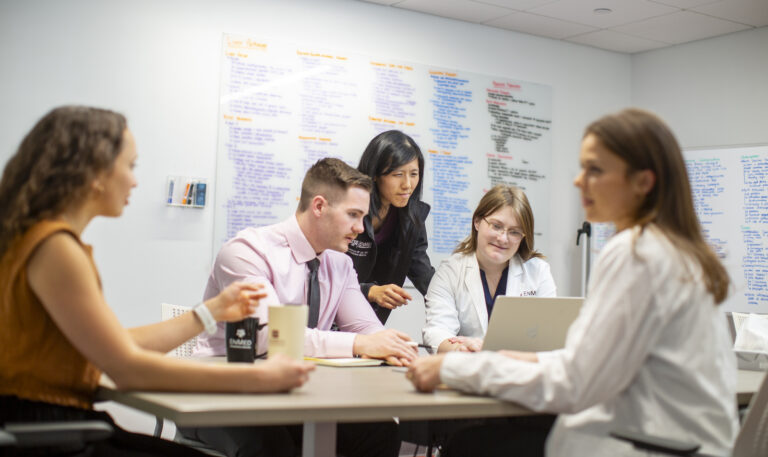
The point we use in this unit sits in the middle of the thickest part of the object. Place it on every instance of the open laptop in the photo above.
(530, 323)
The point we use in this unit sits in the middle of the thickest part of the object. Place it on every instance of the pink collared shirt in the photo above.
(276, 256)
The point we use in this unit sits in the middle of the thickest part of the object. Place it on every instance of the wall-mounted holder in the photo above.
(186, 191)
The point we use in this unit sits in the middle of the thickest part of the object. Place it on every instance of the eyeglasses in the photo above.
(499, 230)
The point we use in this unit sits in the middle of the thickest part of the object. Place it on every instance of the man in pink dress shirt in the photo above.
(334, 200)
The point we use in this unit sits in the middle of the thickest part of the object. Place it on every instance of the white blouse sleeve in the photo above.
(605, 347)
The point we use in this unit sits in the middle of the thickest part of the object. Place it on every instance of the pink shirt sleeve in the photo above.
(239, 260)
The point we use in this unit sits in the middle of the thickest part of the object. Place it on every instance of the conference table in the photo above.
(333, 395)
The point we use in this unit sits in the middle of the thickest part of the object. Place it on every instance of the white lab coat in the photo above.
(649, 351)
(455, 301)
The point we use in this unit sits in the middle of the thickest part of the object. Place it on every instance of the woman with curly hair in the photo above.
(57, 332)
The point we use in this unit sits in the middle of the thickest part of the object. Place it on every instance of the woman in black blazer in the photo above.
(394, 243)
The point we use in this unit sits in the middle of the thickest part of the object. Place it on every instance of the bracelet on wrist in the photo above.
(206, 318)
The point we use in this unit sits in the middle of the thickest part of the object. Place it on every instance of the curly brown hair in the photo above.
(55, 164)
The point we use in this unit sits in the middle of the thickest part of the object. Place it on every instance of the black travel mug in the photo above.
(241, 340)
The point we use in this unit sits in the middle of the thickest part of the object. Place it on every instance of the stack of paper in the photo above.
(751, 343)
(345, 362)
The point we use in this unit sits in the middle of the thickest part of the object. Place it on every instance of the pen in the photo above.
(170, 191)
(191, 190)
(420, 345)
(186, 191)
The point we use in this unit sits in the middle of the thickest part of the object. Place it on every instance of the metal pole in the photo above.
(586, 229)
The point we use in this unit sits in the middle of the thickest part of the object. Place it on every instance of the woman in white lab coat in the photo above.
(650, 350)
(497, 258)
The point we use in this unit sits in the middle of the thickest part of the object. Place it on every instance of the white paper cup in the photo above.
(286, 330)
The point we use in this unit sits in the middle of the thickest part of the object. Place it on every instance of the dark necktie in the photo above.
(313, 293)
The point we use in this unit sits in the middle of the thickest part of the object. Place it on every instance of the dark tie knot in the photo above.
(313, 264)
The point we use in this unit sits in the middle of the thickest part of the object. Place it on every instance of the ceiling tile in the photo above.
(465, 10)
(680, 27)
(520, 5)
(540, 25)
(623, 11)
(615, 41)
(751, 12)
(685, 4)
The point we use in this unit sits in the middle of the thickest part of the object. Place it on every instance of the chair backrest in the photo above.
(753, 437)
(169, 312)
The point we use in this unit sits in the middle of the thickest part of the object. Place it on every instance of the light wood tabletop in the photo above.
(355, 394)
(332, 395)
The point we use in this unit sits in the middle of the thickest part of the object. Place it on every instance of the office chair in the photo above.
(752, 440)
(68, 438)
(169, 311)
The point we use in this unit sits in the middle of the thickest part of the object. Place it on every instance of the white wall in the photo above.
(158, 63)
(711, 92)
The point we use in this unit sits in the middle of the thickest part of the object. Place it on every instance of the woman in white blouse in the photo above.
(497, 258)
(650, 350)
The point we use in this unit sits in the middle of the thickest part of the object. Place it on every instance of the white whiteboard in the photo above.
(730, 195)
(284, 106)
(730, 190)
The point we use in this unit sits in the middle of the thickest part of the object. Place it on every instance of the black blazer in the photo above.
(406, 256)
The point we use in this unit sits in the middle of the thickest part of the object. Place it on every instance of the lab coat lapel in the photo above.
(514, 276)
(474, 289)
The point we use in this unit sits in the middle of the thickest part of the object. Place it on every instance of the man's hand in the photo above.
(238, 301)
(424, 372)
(390, 345)
(388, 296)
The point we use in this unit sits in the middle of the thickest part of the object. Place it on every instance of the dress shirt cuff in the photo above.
(451, 369)
(325, 343)
(547, 355)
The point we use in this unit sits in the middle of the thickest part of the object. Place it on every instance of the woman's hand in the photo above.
(281, 373)
(424, 372)
(519, 355)
(388, 296)
(462, 344)
(238, 301)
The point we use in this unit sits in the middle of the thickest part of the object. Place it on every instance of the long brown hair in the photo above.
(498, 197)
(55, 164)
(644, 142)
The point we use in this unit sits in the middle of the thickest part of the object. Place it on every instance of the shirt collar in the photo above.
(301, 250)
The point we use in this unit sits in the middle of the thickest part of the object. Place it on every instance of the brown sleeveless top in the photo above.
(37, 362)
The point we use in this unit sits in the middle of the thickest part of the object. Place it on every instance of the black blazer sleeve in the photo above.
(363, 253)
(421, 270)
